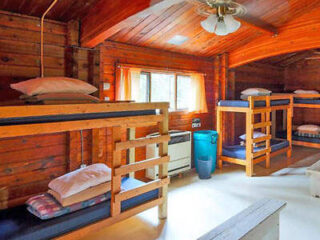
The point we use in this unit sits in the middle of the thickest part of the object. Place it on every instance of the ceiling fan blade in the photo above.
(258, 23)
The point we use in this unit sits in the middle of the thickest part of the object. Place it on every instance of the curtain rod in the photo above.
(158, 69)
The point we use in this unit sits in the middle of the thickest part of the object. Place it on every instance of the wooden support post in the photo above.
(74, 151)
(284, 119)
(73, 33)
(94, 70)
(216, 85)
(223, 95)
(249, 140)
(274, 124)
(131, 153)
(267, 119)
(231, 92)
(289, 130)
(72, 68)
(97, 151)
(163, 168)
(220, 137)
(116, 180)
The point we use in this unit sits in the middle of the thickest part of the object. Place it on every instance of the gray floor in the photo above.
(196, 206)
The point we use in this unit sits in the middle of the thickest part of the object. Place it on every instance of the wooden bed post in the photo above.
(289, 129)
(249, 136)
(220, 137)
(163, 168)
(267, 119)
(116, 179)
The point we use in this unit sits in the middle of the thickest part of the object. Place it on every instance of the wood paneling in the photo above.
(299, 34)
(28, 163)
(115, 53)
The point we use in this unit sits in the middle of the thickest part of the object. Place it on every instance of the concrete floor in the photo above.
(196, 206)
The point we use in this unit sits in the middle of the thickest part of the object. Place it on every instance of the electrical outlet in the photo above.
(196, 125)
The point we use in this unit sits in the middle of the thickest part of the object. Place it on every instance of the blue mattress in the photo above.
(18, 224)
(307, 101)
(239, 152)
(283, 134)
(245, 104)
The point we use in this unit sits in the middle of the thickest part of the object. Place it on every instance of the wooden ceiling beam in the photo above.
(107, 17)
(258, 24)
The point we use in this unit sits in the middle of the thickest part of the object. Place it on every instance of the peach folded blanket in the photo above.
(83, 195)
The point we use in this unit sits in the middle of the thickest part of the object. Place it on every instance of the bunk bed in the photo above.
(129, 196)
(249, 155)
(311, 101)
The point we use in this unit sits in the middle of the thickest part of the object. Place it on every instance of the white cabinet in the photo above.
(179, 150)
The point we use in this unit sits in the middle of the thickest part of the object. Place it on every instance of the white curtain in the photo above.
(128, 84)
(198, 101)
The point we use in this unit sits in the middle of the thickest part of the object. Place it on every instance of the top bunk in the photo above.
(307, 100)
(44, 119)
(273, 102)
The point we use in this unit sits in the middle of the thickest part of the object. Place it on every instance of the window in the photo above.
(165, 87)
(184, 92)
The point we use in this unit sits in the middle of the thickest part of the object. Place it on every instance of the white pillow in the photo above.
(255, 135)
(309, 128)
(81, 179)
(300, 91)
(256, 92)
(53, 85)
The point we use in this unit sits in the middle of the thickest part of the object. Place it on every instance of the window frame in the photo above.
(176, 75)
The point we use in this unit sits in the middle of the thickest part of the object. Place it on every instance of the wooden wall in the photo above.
(27, 164)
(304, 74)
(255, 75)
(113, 53)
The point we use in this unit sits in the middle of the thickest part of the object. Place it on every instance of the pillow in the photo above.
(83, 195)
(300, 91)
(44, 206)
(256, 92)
(53, 85)
(255, 135)
(309, 128)
(81, 179)
(60, 97)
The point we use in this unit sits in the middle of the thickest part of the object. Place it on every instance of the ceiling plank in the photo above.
(107, 17)
(258, 24)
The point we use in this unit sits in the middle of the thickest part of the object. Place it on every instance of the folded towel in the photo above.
(83, 195)
(81, 179)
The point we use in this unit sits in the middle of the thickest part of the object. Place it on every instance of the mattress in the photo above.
(239, 152)
(245, 104)
(72, 117)
(306, 101)
(18, 224)
(283, 134)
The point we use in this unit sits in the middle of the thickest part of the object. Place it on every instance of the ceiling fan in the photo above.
(221, 17)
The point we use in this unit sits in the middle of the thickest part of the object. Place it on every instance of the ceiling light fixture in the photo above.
(220, 16)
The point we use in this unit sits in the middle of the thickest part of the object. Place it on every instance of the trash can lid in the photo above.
(205, 134)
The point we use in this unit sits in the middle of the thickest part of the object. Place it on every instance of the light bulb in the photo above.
(232, 24)
(221, 29)
(210, 23)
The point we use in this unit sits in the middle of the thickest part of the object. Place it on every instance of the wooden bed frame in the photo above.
(118, 170)
(253, 158)
(313, 106)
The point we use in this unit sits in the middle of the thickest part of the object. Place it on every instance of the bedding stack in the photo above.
(56, 90)
(311, 131)
(73, 191)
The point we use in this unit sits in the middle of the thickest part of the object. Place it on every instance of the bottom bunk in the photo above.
(239, 152)
(17, 223)
(301, 140)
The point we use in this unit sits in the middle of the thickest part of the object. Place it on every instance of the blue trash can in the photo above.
(205, 149)
(204, 167)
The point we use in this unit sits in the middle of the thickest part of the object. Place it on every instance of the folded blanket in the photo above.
(44, 206)
(83, 195)
(81, 179)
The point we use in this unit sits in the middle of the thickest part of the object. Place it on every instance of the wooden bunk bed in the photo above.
(311, 101)
(125, 201)
(256, 105)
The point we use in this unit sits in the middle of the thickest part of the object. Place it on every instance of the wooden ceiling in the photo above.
(64, 10)
(157, 29)
(112, 20)
(286, 60)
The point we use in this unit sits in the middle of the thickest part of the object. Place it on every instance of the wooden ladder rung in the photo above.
(261, 125)
(141, 142)
(137, 166)
(259, 159)
(260, 153)
(124, 195)
(261, 139)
